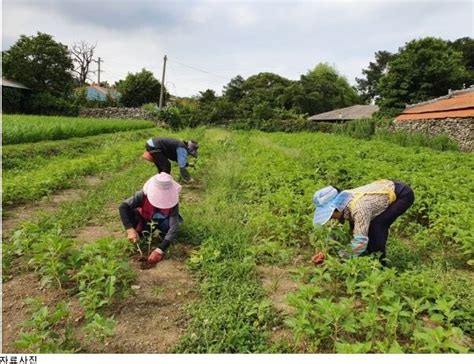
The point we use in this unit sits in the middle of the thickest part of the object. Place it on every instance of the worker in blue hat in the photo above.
(370, 210)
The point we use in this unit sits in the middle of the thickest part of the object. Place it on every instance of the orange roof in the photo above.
(459, 105)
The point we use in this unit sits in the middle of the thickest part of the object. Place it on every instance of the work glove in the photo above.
(155, 256)
(318, 258)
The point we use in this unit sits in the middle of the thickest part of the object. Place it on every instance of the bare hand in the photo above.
(132, 235)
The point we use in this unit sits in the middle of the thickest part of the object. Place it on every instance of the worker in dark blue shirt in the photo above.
(161, 150)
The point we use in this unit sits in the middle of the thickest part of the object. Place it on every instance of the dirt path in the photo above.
(14, 216)
(153, 320)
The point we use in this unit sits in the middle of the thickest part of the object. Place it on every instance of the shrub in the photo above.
(360, 129)
(171, 115)
(46, 104)
(151, 108)
(12, 100)
(407, 139)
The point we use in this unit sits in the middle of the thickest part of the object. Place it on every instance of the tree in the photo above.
(291, 97)
(368, 86)
(207, 97)
(233, 90)
(139, 88)
(83, 55)
(324, 90)
(262, 88)
(466, 47)
(40, 63)
(423, 69)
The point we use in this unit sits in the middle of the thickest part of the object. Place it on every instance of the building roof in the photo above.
(347, 113)
(13, 84)
(102, 90)
(457, 104)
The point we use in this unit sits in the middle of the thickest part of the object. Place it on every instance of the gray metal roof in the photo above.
(347, 113)
(14, 84)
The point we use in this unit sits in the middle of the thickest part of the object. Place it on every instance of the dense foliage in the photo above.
(422, 69)
(139, 88)
(44, 66)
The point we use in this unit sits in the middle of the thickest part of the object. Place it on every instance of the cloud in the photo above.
(228, 38)
(109, 14)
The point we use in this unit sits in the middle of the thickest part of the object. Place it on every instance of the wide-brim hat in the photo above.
(324, 201)
(162, 191)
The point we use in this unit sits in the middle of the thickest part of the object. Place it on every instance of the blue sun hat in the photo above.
(326, 201)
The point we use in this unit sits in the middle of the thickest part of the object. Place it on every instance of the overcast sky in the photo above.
(227, 38)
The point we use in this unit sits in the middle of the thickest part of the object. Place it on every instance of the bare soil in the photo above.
(15, 215)
(278, 284)
(89, 234)
(154, 318)
(15, 311)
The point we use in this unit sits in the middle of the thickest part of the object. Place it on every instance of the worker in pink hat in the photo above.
(157, 203)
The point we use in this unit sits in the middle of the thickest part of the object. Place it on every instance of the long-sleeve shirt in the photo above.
(361, 211)
(182, 154)
(128, 215)
(174, 150)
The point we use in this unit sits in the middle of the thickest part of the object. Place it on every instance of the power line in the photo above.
(198, 69)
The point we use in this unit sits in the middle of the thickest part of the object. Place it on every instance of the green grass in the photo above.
(17, 158)
(29, 129)
(53, 173)
(233, 315)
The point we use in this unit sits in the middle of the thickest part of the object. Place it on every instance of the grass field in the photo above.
(241, 264)
(29, 129)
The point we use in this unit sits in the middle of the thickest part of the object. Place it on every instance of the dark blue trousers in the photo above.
(379, 226)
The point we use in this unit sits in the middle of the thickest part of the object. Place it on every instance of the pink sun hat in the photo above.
(162, 191)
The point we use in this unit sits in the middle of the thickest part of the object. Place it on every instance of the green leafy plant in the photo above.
(47, 331)
(99, 328)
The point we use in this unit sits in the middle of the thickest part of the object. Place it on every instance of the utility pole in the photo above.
(99, 60)
(162, 83)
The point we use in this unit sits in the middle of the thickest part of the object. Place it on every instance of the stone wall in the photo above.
(459, 130)
(118, 113)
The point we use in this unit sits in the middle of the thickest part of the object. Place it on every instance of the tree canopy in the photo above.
(423, 69)
(139, 88)
(233, 90)
(368, 86)
(325, 90)
(40, 63)
(466, 47)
